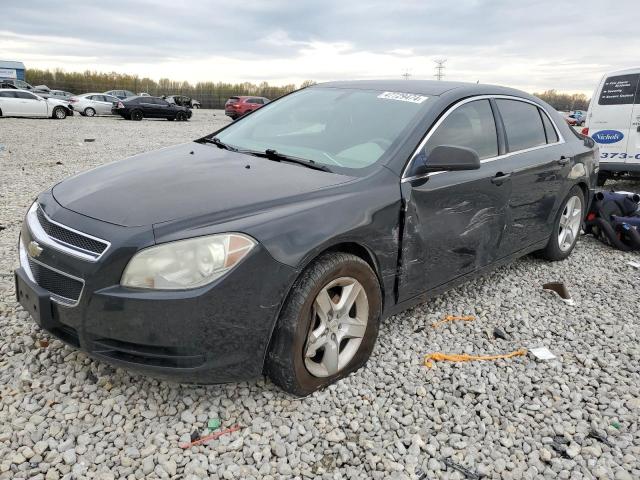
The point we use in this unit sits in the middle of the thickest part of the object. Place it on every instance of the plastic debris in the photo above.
(453, 318)
(43, 343)
(456, 357)
(58, 162)
(195, 435)
(463, 470)
(615, 425)
(542, 353)
(212, 436)
(601, 438)
(633, 264)
(89, 139)
(214, 424)
(561, 290)
(497, 333)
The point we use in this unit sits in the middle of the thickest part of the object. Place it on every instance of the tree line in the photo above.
(564, 102)
(210, 94)
(214, 94)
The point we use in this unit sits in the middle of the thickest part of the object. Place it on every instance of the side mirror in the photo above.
(446, 158)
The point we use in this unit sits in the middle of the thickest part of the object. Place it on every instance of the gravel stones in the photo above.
(64, 415)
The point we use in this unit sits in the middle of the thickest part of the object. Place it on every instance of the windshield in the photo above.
(335, 127)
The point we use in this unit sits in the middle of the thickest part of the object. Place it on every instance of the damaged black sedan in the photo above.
(277, 244)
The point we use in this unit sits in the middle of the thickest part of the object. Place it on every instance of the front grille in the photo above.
(64, 289)
(69, 237)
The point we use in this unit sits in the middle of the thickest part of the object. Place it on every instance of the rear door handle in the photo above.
(564, 160)
(500, 178)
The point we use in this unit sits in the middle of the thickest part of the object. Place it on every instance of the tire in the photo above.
(59, 113)
(181, 117)
(288, 362)
(136, 115)
(196, 106)
(89, 112)
(602, 179)
(555, 250)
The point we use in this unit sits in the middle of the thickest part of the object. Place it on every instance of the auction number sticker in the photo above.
(403, 97)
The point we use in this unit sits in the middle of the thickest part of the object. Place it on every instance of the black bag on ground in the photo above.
(614, 218)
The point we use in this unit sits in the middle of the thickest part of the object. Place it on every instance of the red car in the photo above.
(238, 106)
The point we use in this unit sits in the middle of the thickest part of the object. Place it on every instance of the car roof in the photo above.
(423, 87)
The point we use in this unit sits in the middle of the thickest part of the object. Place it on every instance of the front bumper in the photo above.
(213, 334)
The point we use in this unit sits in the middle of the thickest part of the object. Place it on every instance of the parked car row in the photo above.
(20, 103)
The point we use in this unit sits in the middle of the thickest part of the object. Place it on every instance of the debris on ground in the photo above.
(561, 290)
(497, 333)
(542, 353)
(601, 438)
(43, 343)
(2, 227)
(633, 264)
(195, 435)
(58, 162)
(463, 470)
(206, 438)
(464, 357)
(213, 424)
(453, 318)
(615, 425)
(419, 329)
(89, 139)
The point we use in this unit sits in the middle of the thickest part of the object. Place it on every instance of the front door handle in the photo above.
(500, 178)
(564, 160)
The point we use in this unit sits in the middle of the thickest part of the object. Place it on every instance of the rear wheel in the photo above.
(59, 113)
(136, 115)
(328, 326)
(567, 226)
(89, 112)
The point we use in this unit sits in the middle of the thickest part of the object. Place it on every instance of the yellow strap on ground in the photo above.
(464, 357)
(452, 318)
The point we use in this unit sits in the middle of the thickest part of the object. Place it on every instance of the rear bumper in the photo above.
(619, 167)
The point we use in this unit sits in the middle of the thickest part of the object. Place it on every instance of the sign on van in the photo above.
(608, 136)
(8, 73)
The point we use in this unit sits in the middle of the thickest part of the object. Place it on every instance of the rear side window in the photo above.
(472, 126)
(619, 90)
(7, 95)
(550, 132)
(522, 124)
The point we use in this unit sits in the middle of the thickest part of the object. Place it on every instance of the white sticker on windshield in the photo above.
(403, 97)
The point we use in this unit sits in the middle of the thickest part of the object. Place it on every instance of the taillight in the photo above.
(585, 131)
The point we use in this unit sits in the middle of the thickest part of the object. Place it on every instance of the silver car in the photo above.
(91, 104)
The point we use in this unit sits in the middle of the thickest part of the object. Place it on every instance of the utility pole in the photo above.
(406, 75)
(440, 68)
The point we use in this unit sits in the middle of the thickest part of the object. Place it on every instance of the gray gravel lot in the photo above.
(63, 415)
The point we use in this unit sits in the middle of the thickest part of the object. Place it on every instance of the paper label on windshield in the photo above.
(403, 97)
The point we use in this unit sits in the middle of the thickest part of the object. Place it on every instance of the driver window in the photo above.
(472, 126)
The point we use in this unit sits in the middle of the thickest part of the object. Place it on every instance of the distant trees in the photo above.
(210, 94)
(564, 102)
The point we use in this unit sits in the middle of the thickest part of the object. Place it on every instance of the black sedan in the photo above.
(137, 108)
(277, 244)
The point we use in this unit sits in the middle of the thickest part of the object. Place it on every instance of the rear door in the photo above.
(539, 163)
(633, 144)
(455, 220)
(611, 119)
(9, 103)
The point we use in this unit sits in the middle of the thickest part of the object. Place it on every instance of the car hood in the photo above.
(184, 181)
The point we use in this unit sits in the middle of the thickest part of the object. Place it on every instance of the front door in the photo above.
(455, 221)
(31, 106)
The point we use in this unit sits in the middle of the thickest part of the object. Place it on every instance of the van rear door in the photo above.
(633, 144)
(610, 121)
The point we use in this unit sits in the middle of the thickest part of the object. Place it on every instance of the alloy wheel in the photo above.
(340, 315)
(570, 222)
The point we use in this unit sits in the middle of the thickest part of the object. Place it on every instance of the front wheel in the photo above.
(136, 115)
(328, 326)
(59, 113)
(89, 112)
(566, 227)
(181, 117)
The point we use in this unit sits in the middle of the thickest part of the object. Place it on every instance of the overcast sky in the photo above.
(533, 44)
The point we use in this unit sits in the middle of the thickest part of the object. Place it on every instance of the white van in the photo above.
(613, 122)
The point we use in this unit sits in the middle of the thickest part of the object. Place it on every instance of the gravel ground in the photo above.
(63, 415)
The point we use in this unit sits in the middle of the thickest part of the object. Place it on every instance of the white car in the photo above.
(20, 103)
(91, 104)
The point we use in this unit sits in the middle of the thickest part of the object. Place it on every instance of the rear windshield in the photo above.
(339, 128)
(233, 99)
(619, 90)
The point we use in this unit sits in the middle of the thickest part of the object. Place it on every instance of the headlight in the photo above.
(186, 263)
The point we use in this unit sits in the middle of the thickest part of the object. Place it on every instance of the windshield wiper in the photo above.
(272, 154)
(219, 143)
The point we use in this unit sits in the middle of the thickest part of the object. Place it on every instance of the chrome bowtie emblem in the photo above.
(34, 249)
